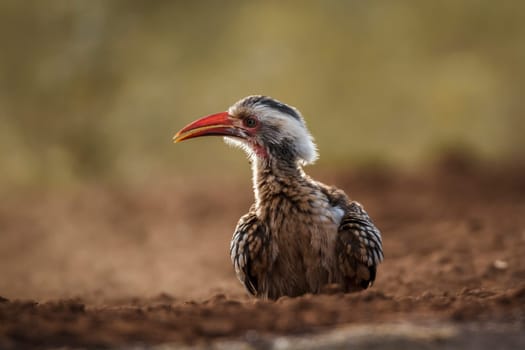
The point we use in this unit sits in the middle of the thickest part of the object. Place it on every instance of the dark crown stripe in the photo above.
(271, 103)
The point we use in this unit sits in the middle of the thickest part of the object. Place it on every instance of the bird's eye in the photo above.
(250, 122)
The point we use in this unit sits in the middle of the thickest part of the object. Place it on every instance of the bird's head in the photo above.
(262, 126)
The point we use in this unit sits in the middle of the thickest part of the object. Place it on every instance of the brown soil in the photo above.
(106, 267)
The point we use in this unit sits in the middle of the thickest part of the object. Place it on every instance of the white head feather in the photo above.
(292, 128)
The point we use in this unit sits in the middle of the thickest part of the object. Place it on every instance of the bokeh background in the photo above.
(95, 198)
(94, 90)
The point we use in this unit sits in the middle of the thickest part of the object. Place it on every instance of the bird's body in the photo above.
(300, 234)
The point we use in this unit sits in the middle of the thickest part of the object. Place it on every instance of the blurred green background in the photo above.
(95, 89)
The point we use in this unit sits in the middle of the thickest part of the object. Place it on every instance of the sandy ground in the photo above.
(108, 266)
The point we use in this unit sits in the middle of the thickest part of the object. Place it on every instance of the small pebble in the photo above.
(500, 264)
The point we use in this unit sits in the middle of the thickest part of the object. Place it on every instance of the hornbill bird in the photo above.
(300, 234)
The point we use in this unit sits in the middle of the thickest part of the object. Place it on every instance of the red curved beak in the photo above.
(219, 124)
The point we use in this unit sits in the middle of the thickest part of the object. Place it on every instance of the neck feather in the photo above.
(271, 177)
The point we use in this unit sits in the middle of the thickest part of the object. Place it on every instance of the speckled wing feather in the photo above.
(249, 252)
(359, 247)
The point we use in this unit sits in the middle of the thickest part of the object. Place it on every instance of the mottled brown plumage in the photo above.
(300, 234)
